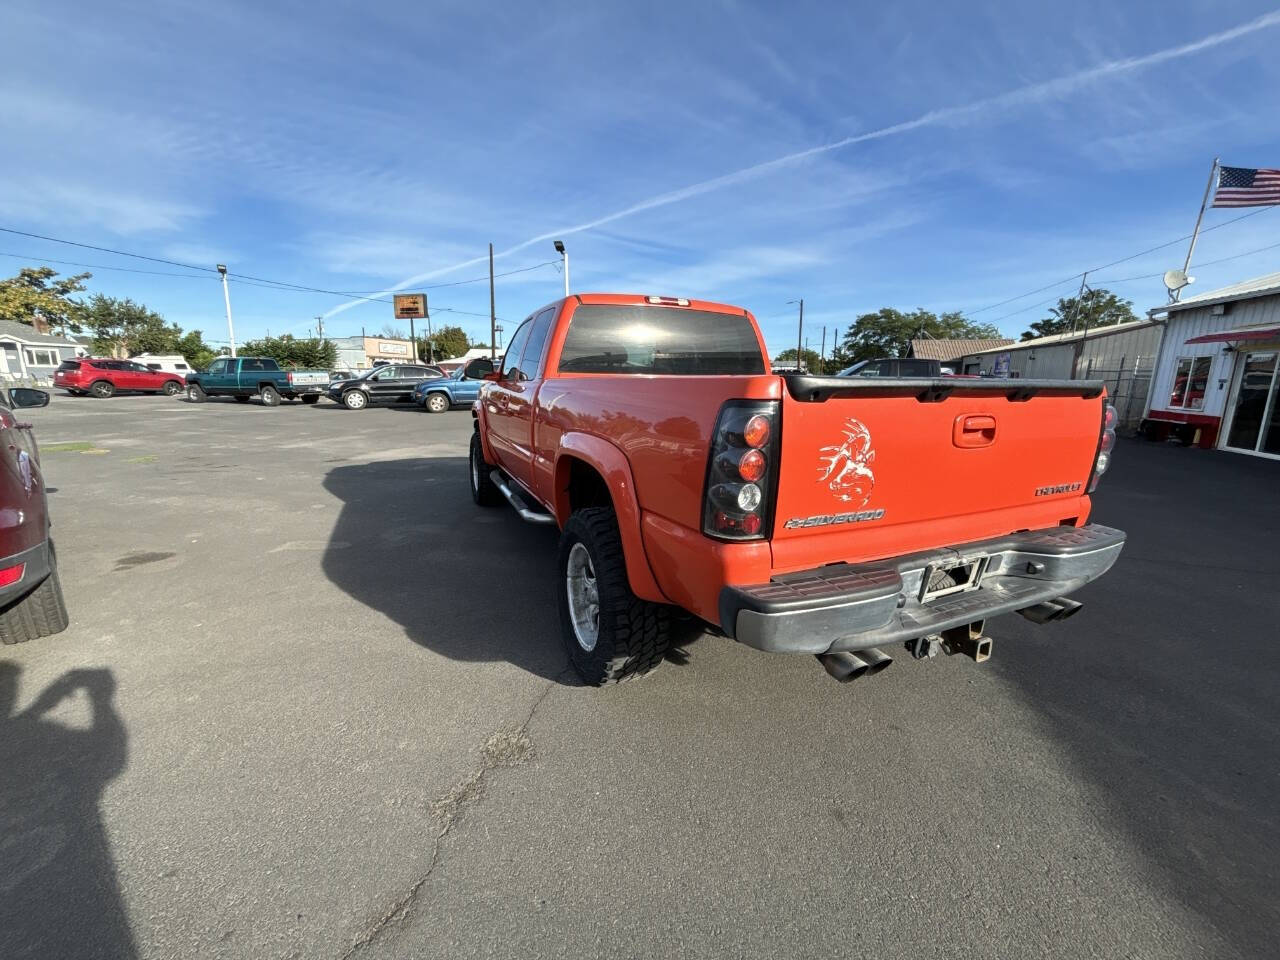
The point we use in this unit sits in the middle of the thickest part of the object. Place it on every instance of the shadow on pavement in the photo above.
(1163, 689)
(471, 583)
(58, 891)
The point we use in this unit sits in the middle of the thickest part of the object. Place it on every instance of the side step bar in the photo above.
(530, 516)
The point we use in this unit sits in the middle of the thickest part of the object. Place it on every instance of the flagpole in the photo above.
(1204, 201)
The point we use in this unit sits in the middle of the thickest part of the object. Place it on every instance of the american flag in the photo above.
(1243, 187)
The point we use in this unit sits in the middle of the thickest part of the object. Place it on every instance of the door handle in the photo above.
(974, 430)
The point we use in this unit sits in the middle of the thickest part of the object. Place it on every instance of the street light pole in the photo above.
(226, 297)
(799, 333)
(493, 316)
(564, 259)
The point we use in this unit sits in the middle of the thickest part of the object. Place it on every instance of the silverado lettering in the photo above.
(826, 520)
(681, 474)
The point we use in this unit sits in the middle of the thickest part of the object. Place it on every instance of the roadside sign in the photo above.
(411, 306)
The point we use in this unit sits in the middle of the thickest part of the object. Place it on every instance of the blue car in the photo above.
(457, 389)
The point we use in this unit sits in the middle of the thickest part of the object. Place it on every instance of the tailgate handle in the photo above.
(974, 431)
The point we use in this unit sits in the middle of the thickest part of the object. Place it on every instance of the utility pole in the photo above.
(799, 333)
(493, 316)
(822, 357)
(226, 297)
(431, 337)
(413, 341)
(320, 328)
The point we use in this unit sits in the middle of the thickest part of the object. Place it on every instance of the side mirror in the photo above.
(478, 369)
(26, 397)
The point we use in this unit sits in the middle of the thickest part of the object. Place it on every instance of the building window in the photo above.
(1190, 382)
(42, 358)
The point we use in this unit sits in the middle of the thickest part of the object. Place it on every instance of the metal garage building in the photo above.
(1123, 355)
(1216, 382)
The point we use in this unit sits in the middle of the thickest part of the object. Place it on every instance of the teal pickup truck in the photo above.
(261, 377)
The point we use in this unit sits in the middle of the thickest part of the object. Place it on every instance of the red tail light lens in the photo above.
(1106, 442)
(10, 575)
(742, 471)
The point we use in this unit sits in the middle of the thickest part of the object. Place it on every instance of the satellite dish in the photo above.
(1176, 279)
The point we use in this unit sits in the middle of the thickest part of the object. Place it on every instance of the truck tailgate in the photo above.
(876, 468)
(308, 378)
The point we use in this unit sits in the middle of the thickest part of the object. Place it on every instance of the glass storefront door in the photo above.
(1255, 422)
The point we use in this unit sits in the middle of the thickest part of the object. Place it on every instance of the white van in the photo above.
(169, 363)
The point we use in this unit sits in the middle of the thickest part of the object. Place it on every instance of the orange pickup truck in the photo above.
(798, 514)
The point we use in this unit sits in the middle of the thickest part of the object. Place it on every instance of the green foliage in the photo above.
(810, 359)
(1097, 308)
(289, 351)
(450, 342)
(122, 326)
(192, 346)
(889, 332)
(34, 292)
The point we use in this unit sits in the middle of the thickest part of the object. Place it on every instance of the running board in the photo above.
(531, 516)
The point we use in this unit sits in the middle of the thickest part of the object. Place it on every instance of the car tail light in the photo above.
(11, 575)
(289, 376)
(1106, 443)
(742, 471)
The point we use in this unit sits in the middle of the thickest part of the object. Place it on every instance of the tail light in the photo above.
(742, 471)
(289, 376)
(1106, 443)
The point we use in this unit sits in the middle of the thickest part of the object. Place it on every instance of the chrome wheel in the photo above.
(437, 402)
(584, 596)
(354, 399)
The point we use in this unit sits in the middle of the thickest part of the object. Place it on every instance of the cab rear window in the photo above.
(677, 341)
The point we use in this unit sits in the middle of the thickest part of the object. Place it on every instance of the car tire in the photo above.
(311, 398)
(355, 400)
(171, 388)
(41, 613)
(239, 399)
(626, 637)
(437, 402)
(196, 394)
(269, 396)
(483, 490)
(102, 389)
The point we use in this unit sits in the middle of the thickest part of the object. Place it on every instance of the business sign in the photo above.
(1001, 368)
(398, 348)
(411, 306)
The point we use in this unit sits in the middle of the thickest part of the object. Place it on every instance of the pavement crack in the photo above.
(506, 748)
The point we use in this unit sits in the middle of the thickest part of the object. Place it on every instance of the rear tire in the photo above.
(196, 394)
(311, 398)
(102, 389)
(171, 388)
(608, 632)
(355, 400)
(240, 399)
(437, 402)
(483, 491)
(269, 396)
(41, 613)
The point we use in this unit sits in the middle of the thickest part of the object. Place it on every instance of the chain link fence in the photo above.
(1128, 384)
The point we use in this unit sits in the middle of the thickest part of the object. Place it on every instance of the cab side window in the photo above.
(531, 362)
(218, 366)
(511, 359)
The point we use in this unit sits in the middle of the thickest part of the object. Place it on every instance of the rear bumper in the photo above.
(304, 389)
(856, 606)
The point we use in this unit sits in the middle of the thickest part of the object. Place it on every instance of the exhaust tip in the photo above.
(843, 667)
(876, 660)
(1069, 607)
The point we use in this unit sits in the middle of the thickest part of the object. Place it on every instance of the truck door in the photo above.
(221, 377)
(522, 375)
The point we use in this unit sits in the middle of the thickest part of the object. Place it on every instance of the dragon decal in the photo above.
(845, 467)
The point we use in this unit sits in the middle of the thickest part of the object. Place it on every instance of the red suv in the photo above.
(103, 377)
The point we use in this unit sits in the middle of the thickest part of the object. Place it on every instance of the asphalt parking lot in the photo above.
(312, 704)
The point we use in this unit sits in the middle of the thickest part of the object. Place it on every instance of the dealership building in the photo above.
(1215, 384)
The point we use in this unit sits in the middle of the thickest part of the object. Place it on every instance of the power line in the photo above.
(103, 266)
(119, 253)
(1106, 266)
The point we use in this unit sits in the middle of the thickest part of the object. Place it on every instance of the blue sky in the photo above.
(857, 155)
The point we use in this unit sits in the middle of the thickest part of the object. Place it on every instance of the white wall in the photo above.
(1188, 324)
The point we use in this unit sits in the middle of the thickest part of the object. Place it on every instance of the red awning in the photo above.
(1238, 335)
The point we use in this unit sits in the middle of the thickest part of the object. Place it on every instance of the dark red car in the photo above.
(102, 377)
(31, 603)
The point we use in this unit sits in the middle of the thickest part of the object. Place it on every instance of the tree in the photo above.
(812, 362)
(450, 342)
(122, 327)
(192, 346)
(889, 332)
(1097, 308)
(35, 293)
(392, 332)
(288, 351)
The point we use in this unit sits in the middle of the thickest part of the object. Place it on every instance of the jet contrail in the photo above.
(1034, 93)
